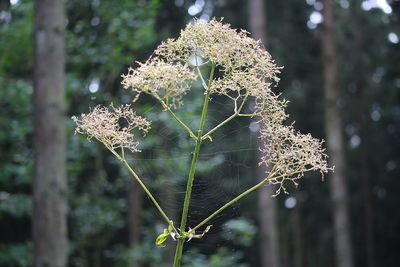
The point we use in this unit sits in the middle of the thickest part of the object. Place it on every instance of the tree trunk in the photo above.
(298, 235)
(135, 200)
(335, 143)
(363, 113)
(366, 177)
(166, 195)
(269, 244)
(49, 180)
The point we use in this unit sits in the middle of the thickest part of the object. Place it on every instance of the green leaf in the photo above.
(162, 238)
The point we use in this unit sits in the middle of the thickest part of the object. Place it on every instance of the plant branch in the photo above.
(228, 204)
(207, 135)
(165, 106)
(234, 115)
(246, 115)
(137, 178)
(268, 179)
(203, 82)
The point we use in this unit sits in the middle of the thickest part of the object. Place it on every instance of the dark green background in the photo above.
(105, 37)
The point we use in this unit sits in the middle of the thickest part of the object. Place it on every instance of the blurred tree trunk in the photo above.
(97, 251)
(365, 173)
(269, 244)
(166, 195)
(298, 236)
(284, 251)
(363, 113)
(49, 180)
(335, 143)
(135, 200)
(363, 119)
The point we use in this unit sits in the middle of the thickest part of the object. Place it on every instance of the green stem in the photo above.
(237, 111)
(165, 106)
(246, 115)
(218, 126)
(268, 179)
(228, 204)
(179, 247)
(147, 191)
(178, 252)
(203, 82)
(169, 222)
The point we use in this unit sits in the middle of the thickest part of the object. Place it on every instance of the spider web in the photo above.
(226, 167)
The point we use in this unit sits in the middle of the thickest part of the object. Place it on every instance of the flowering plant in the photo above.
(246, 73)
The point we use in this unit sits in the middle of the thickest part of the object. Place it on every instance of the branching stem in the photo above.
(234, 115)
(268, 179)
(167, 108)
(179, 247)
(144, 187)
(228, 204)
(219, 126)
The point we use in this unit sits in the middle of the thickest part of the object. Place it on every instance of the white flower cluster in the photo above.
(244, 70)
(245, 65)
(112, 126)
(219, 43)
(290, 154)
(159, 78)
(247, 70)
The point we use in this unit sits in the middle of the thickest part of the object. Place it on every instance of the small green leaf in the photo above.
(162, 238)
(207, 229)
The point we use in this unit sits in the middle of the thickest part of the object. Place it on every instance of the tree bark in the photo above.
(134, 207)
(298, 235)
(363, 113)
(335, 143)
(168, 196)
(135, 200)
(269, 244)
(49, 179)
(366, 177)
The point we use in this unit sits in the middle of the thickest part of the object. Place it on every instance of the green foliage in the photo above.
(126, 31)
(15, 143)
(240, 231)
(19, 254)
(222, 258)
(112, 42)
(16, 40)
(17, 205)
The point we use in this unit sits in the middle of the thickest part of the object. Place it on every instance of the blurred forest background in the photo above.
(345, 66)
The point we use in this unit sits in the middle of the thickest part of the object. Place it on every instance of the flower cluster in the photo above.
(112, 126)
(219, 43)
(157, 77)
(290, 154)
(270, 110)
(245, 70)
(245, 65)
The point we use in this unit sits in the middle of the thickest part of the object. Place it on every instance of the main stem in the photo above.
(179, 247)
